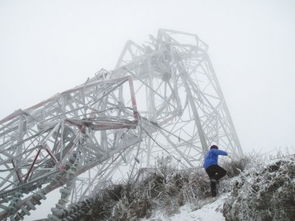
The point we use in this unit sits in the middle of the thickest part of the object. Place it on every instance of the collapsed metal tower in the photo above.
(162, 100)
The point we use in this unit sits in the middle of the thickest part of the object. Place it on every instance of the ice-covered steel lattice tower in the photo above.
(162, 101)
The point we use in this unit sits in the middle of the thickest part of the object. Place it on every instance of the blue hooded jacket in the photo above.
(211, 157)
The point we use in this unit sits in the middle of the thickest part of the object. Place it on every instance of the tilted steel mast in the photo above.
(162, 100)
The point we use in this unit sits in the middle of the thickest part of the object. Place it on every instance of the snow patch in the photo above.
(211, 210)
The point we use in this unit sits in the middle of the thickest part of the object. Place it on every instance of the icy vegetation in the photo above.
(265, 193)
(251, 191)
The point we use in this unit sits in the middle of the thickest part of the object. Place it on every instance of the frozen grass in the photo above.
(163, 188)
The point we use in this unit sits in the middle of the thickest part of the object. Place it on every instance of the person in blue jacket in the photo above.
(214, 171)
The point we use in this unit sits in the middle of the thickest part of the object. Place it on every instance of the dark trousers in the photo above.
(215, 173)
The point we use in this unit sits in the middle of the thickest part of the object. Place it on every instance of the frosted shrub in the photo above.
(235, 167)
(163, 188)
(265, 194)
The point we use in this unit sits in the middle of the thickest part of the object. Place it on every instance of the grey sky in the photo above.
(51, 45)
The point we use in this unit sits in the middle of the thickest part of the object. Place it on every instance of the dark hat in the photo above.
(213, 147)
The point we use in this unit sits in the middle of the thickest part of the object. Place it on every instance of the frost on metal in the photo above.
(162, 99)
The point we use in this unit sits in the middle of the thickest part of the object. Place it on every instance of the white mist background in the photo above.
(48, 46)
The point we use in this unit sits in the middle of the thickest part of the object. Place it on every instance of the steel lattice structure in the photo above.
(162, 100)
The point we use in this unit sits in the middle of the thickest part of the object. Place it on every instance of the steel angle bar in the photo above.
(154, 91)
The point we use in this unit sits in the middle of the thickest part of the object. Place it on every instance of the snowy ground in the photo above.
(211, 210)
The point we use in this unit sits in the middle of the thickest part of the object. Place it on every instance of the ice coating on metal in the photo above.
(162, 100)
